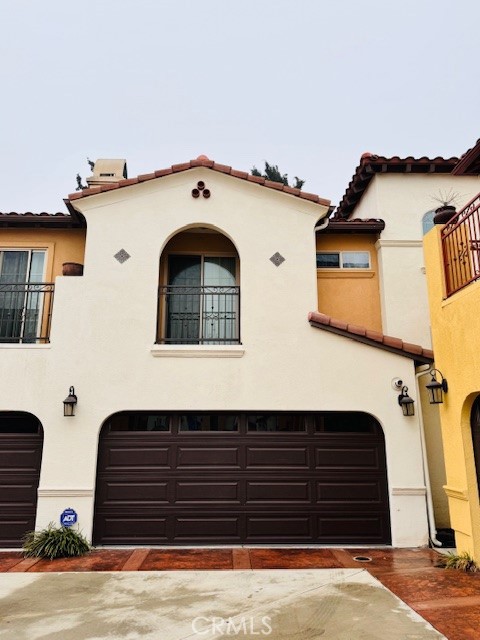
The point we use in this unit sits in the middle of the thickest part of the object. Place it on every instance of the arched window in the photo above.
(427, 221)
(475, 425)
(199, 292)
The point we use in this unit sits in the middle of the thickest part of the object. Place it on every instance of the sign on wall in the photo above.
(68, 517)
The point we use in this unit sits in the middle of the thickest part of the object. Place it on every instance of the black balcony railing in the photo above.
(199, 315)
(461, 247)
(25, 312)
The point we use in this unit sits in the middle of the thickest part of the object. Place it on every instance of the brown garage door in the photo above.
(241, 478)
(21, 441)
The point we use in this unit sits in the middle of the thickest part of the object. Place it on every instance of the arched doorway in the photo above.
(21, 444)
(475, 426)
(241, 477)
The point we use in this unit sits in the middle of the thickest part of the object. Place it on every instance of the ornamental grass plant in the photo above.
(460, 561)
(55, 542)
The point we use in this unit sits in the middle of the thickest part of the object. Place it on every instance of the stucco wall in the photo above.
(104, 327)
(401, 200)
(62, 245)
(456, 331)
(351, 295)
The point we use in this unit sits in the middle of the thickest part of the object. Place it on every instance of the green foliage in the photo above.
(460, 561)
(55, 542)
(273, 173)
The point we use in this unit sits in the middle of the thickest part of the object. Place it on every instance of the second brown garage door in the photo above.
(21, 443)
(203, 478)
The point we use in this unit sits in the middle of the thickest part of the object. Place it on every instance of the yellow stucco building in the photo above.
(452, 267)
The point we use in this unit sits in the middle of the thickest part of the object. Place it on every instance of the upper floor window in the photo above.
(25, 300)
(199, 295)
(343, 260)
(427, 221)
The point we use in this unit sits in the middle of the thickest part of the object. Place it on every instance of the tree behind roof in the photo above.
(272, 173)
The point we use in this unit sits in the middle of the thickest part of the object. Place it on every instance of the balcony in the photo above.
(199, 314)
(461, 247)
(25, 312)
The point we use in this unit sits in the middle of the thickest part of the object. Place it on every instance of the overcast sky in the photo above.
(308, 85)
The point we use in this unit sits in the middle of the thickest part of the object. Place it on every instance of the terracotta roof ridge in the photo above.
(201, 161)
(370, 164)
(369, 336)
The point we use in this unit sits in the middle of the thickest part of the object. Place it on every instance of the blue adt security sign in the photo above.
(68, 517)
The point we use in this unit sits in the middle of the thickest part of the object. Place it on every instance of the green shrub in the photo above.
(55, 542)
(461, 561)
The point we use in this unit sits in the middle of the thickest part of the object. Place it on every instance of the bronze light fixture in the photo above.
(406, 402)
(69, 403)
(435, 388)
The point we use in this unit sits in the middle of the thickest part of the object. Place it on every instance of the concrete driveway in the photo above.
(340, 604)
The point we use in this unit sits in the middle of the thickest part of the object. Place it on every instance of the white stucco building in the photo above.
(209, 408)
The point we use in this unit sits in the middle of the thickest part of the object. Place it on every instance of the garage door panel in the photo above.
(207, 456)
(133, 529)
(274, 492)
(364, 491)
(354, 528)
(136, 458)
(20, 456)
(133, 491)
(277, 457)
(278, 527)
(18, 489)
(199, 527)
(14, 525)
(348, 457)
(207, 492)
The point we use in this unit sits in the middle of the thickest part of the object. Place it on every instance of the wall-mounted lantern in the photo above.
(69, 403)
(435, 388)
(406, 402)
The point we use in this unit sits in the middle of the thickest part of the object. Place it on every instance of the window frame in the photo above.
(341, 260)
(162, 315)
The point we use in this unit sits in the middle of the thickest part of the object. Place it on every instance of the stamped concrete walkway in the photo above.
(449, 600)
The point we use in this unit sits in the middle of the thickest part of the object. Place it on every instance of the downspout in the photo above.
(432, 529)
(323, 225)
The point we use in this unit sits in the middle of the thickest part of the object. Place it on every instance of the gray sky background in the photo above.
(309, 86)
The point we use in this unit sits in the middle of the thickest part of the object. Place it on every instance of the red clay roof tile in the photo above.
(223, 168)
(354, 328)
(180, 167)
(201, 161)
(239, 174)
(372, 338)
(145, 177)
(257, 179)
(163, 172)
(390, 341)
(371, 164)
(338, 324)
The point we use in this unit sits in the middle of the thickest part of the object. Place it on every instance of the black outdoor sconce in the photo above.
(406, 403)
(435, 388)
(69, 403)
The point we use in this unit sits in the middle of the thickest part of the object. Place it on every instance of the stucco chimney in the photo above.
(106, 170)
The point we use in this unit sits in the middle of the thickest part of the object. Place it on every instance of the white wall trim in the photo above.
(409, 491)
(25, 346)
(51, 492)
(398, 243)
(197, 351)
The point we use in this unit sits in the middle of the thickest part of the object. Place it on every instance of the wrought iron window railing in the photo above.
(25, 312)
(199, 314)
(461, 247)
